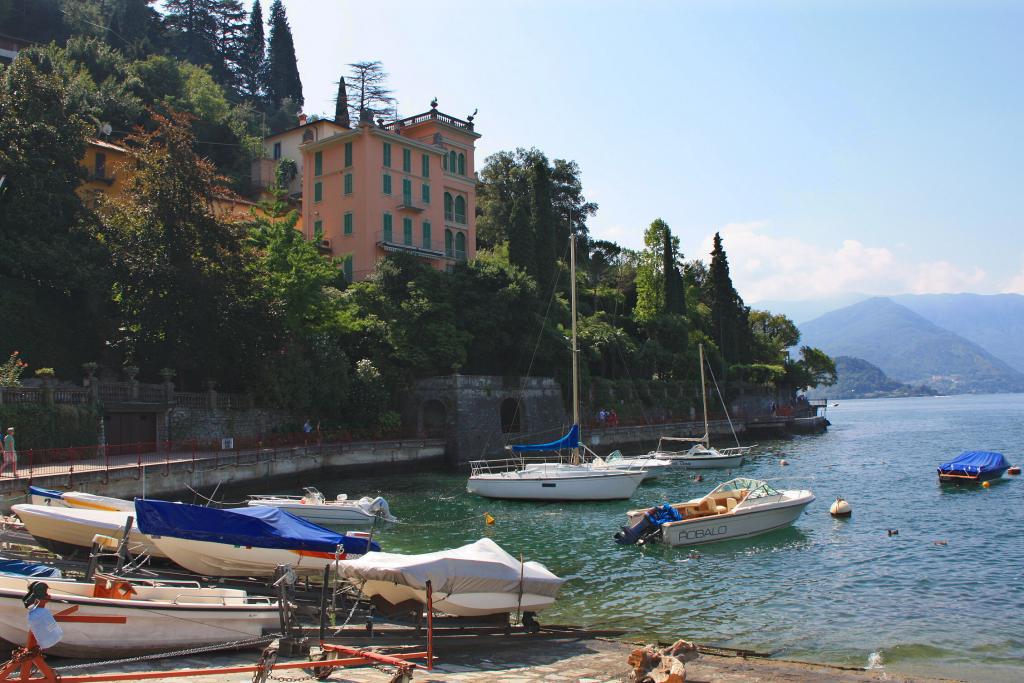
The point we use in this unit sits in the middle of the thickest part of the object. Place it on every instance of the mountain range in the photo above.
(915, 348)
(858, 378)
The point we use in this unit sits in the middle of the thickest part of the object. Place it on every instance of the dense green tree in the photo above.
(192, 30)
(40, 21)
(183, 291)
(252, 61)
(282, 80)
(132, 27)
(774, 334)
(729, 316)
(341, 105)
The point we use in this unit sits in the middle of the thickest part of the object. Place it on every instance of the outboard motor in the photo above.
(648, 526)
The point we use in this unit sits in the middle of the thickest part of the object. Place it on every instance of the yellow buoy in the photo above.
(488, 520)
(986, 484)
(840, 508)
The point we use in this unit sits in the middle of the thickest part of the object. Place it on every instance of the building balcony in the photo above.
(396, 241)
(409, 204)
(432, 115)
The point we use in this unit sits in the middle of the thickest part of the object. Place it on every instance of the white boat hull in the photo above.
(330, 515)
(220, 559)
(461, 604)
(522, 485)
(703, 462)
(735, 524)
(77, 527)
(107, 627)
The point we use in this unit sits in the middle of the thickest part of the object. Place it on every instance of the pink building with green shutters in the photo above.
(406, 186)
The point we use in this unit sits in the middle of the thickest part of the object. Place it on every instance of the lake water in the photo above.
(839, 591)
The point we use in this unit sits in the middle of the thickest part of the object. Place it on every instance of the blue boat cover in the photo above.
(23, 568)
(975, 462)
(45, 493)
(570, 440)
(260, 527)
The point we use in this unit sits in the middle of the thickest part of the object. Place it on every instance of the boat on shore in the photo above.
(249, 541)
(738, 508)
(474, 580)
(972, 467)
(69, 530)
(78, 499)
(114, 617)
(314, 506)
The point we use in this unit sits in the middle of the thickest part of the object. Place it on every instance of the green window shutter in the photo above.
(318, 164)
(460, 246)
(387, 154)
(425, 193)
(449, 243)
(318, 230)
(387, 183)
(318, 191)
(407, 160)
(387, 227)
(347, 268)
(426, 234)
(426, 166)
(407, 231)
(348, 154)
(460, 209)
(462, 164)
(406, 191)
(453, 161)
(348, 183)
(449, 211)
(348, 223)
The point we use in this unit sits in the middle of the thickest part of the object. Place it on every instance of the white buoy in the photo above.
(783, 462)
(840, 508)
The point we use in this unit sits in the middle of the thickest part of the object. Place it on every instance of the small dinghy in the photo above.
(249, 541)
(973, 467)
(738, 508)
(78, 499)
(474, 580)
(338, 512)
(114, 617)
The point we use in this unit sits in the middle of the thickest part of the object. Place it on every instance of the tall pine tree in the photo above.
(283, 80)
(730, 318)
(230, 19)
(252, 62)
(341, 105)
(192, 29)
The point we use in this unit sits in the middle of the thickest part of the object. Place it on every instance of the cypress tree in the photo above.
(253, 60)
(283, 80)
(341, 105)
(730, 318)
(542, 221)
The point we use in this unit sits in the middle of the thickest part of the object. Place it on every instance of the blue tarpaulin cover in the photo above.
(975, 462)
(260, 527)
(28, 568)
(570, 440)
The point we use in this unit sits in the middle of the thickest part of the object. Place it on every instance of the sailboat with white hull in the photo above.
(701, 454)
(577, 479)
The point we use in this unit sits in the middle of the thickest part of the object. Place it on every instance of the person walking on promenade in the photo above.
(10, 454)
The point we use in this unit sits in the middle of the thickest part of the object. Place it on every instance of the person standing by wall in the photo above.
(10, 454)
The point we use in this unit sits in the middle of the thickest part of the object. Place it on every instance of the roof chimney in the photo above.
(302, 119)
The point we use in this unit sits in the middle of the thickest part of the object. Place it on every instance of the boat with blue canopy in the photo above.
(973, 467)
(250, 541)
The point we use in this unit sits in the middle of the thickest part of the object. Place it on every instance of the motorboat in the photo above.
(652, 467)
(248, 541)
(701, 454)
(972, 467)
(571, 479)
(470, 581)
(65, 529)
(738, 508)
(77, 499)
(341, 511)
(113, 617)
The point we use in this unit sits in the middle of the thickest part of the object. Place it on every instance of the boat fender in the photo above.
(44, 627)
(783, 462)
(986, 484)
(894, 532)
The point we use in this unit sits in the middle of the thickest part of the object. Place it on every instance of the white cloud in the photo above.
(1016, 283)
(769, 267)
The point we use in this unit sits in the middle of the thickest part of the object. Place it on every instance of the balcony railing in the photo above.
(392, 241)
(409, 204)
(432, 115)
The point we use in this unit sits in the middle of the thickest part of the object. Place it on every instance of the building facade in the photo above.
(285, 145)
(407, 186)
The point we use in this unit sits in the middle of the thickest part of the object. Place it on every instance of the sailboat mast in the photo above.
(704, 397)
(575, 348)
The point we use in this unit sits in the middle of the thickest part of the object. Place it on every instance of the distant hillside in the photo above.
(995, 322)
(858, 378)
(909, 348)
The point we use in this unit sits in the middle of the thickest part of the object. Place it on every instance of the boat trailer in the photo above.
(28, 663)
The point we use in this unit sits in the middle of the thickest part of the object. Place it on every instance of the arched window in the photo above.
(460, 246)
(510, 419)
(460, 209)
(453, 161)
(449, 207)
(462, 164)
(449, 243)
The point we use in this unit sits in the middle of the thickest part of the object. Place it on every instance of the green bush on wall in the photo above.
(58, 426)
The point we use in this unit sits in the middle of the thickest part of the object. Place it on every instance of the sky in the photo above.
(839, 147)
